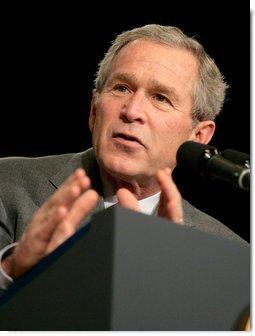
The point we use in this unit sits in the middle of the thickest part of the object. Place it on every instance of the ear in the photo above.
(93, 110)
(203, 131)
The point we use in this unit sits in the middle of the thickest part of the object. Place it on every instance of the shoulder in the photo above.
(27, 162)
(204, 222)
(50, 163)
(19, 170)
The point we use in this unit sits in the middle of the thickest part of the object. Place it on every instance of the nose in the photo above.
(134, 108)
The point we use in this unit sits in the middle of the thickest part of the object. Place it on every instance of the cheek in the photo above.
(100, 120)
(169, 129)
(97, 131)
(102, 126)
(170, 135)
(106, 112)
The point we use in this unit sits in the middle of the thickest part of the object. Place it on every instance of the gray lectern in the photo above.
(129, 271)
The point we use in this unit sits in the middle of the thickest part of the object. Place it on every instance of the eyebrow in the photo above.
(169, 91)
(122, 76)
(154, 84)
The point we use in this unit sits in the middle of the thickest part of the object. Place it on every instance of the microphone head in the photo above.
(208, 161)
(193, 156)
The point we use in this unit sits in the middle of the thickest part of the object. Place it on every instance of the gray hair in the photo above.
(209, 89)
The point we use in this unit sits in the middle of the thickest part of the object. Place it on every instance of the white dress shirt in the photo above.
(147, 205)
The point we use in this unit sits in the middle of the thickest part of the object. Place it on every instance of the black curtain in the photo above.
(50, 56)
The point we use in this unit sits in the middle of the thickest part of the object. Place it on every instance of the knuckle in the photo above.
(64, 230)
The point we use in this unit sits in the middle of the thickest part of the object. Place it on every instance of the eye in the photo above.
(120, 88)
(161, 98)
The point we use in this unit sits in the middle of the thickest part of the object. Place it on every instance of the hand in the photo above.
(53, 223)
(170, 204)
(127, 199)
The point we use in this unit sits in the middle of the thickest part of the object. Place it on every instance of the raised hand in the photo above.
(170, 204)
(53, 223)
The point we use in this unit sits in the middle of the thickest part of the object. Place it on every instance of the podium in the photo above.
(126, 271)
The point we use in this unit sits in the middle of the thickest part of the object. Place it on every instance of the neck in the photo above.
(140, 188)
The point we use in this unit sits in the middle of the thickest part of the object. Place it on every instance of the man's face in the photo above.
(143, 114)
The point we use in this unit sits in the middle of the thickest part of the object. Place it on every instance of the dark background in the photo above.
(49, 57)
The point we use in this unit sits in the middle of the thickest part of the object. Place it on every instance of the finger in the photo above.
(41, 227)
(70, 189)
(37, 237)
(78, 173)
(32, 246)
(174, 212)
(66, 194)
(127, 199)
(171, 201)
(46, 219)
(80, 209)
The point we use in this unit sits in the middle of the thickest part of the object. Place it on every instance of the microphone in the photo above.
(209, 161)
(237, 157)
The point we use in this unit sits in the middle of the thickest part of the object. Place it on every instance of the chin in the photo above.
(121, 168)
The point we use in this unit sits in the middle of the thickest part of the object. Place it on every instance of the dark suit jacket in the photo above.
(26, 183)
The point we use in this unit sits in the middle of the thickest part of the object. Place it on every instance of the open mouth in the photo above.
(127, 138)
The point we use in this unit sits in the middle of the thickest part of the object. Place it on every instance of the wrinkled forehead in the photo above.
(161, 56)
(151, 62)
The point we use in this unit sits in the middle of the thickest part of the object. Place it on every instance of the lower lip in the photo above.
(128, 143)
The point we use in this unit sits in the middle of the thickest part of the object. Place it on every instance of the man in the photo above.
(155, 89)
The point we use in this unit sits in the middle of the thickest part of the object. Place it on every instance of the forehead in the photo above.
(152, 55)
(155, 66)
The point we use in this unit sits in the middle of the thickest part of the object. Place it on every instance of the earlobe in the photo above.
(203, 132)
